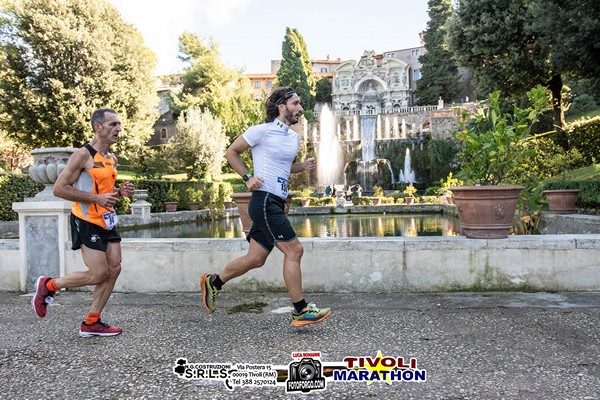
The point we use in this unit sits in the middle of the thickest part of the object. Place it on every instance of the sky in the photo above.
(250, 32)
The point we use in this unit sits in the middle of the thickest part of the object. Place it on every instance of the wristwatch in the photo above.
(246, 177)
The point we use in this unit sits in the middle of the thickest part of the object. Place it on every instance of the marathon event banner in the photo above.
(306, 372)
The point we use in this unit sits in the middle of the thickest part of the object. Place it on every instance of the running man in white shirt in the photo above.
(274, 149)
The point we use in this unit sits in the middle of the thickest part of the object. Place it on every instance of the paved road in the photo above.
(472, 346)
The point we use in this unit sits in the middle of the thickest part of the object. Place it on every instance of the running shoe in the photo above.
(209, 293)
(98, 328)
(42, 296)
(311, 314)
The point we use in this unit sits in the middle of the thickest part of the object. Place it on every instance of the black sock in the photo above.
(299, 306)
(217, 282)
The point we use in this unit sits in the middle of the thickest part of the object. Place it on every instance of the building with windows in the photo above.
(263, 83)
(377, 83)
(397, 72)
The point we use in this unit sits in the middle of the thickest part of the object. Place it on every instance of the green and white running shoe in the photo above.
(311, 314)
(209, 293)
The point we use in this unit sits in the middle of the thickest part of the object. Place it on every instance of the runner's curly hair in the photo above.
(279, 96)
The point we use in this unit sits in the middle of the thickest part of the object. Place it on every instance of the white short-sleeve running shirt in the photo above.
(274, 147)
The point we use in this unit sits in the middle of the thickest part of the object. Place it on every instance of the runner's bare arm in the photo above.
(63, 188)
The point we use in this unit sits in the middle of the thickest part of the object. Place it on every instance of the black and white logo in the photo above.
(305, 375)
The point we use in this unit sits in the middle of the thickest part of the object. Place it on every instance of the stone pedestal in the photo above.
(340, 199)
(141, 207)
(43, 238)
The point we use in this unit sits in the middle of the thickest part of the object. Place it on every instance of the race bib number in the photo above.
(110, 219)
(283, 187)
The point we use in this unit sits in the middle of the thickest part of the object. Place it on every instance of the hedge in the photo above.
(584, 135)
(14, 188)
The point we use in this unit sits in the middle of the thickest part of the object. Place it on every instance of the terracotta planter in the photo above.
(243, 199)
(409, 200)
(170, 206)
(193, 205)
(486, 212)
(562, 201)
(376, 201)
(305, 202)
(450, 198)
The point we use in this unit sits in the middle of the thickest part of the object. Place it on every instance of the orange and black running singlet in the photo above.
(100, 179)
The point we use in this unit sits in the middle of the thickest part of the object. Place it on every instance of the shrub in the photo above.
(584, 135)
(14, 188)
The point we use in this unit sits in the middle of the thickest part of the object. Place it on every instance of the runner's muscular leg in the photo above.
(255, 258)
(292, 273)
(103, 290)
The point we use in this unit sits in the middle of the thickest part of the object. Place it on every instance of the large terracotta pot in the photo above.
(562, 201)
(242, 199)
(486, 212)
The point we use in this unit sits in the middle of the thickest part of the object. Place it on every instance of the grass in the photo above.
(232, 178)
(256, 306)
(591, 172)
(590, 114)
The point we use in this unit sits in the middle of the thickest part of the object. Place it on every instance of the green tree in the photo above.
(439, 71)
(210, 84)
(199, 143)
(60, 60)
(513, 45)
(296, 69)
(323, 90)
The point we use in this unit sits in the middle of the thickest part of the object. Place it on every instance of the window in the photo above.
(324, 69)
(269, 84)
(257, 85)
(391, 55)
(415, 52)
(163, 133)
(416, 74)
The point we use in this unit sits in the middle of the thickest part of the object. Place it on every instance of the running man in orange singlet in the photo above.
(88, 181)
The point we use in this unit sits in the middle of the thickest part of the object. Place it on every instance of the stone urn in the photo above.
(242, 199)
(48, 163)
(486, 212)
(562, 201)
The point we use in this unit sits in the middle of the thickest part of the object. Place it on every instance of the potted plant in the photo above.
(377, 195)
(410, 191)
(492, 159)
(194, 198)
(172, 199)
(560, 196)
(446, 185)
(305, 197)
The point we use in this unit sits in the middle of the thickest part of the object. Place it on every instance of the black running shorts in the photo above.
(270, 224)
(91, 235)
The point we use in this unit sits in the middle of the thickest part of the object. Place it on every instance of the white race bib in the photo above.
(110, 219)
(282, 187)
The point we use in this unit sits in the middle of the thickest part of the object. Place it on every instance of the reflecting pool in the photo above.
(341, 225)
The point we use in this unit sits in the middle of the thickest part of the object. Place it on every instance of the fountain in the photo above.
(330, 154)
(407, 175)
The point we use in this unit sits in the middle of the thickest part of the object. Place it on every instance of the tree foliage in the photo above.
(296, 69)
(210, 84)
(199, 143)
(513, 45)
(323, 90)
(61, 60)
(439, 71)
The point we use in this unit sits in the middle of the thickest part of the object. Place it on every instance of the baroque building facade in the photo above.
(376, 83)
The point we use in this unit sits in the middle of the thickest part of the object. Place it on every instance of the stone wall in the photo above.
(390, 264)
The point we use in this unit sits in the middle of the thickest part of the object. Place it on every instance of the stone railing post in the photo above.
(44, 220)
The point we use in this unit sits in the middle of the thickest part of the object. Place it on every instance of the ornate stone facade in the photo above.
(373, 85)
